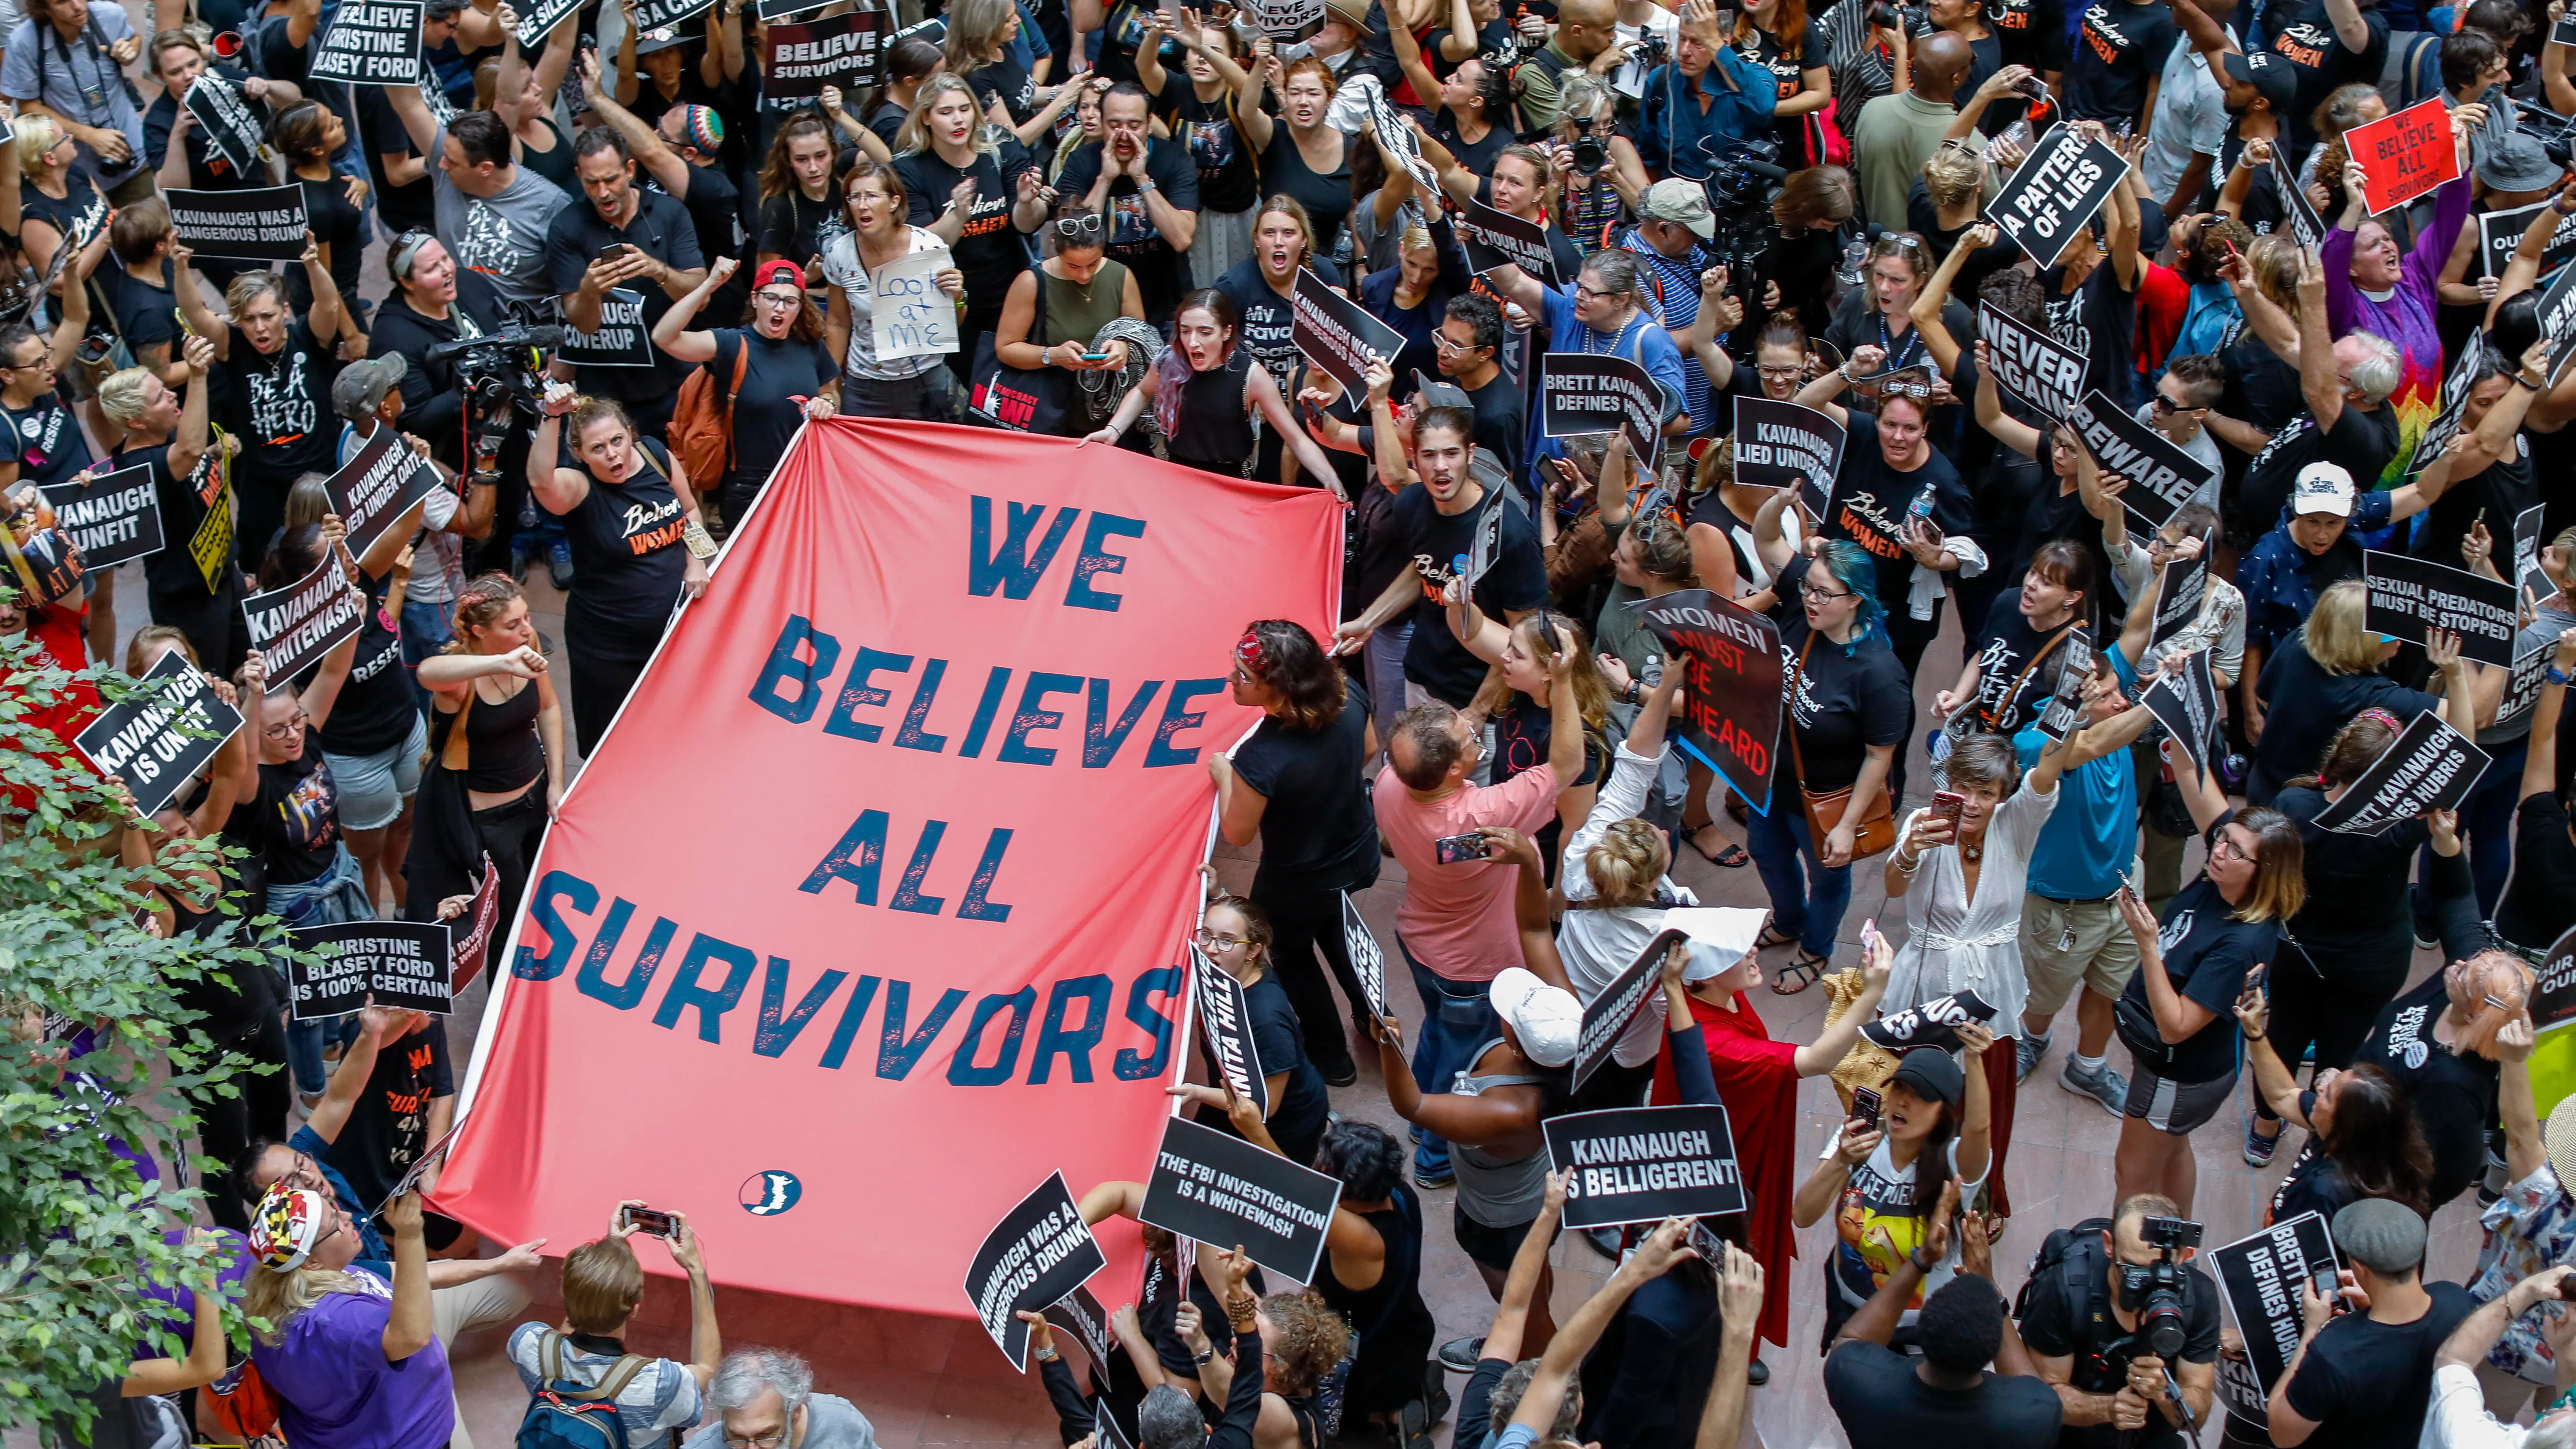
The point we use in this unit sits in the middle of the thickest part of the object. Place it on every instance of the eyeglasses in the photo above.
(1823, 595)
(1906, 387)
(2228, 849)
(1215, 942)
(290, 729)
(1087, 227)
(770, 1440)
(1441, 340)
(1792, 370)
(1581, 290)
(779, 299)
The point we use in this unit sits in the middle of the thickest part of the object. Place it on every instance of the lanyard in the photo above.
(1895, 359)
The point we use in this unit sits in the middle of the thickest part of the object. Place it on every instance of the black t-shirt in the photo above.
(1280, 1042)
(798, 229)
(1326, 195)
(2367, 1384)
(2499, 494)
(1768, 51)
(2033, 32)
(1007, 81)
(2099, 320)
(410, 206)
(376, 708)
(292, 825)
(1134, 239)
(2049, 513)
(2359, 922)
(146, 312)
(1870, 501)
(196, 525)
(1884, 1404)
(2122, 47)
(715, 208)
(2316, 1183)
(1524, 730)
(1839, 704)
(2206, 953)
(628, 560)
(2362, 442)
(2453, 1094)
(766, 413)
(207, 171)
(341, 229)
(2540, 902)
(991, 251)
(280, 405)
(1268, 321)
(1317, 832)
(47, 444)
(2061, 1324)
(388, 1126)
(1227, 181)
(2303, 706)
(660, 228)
(1517, 581)
(2262, 390)
(2304, 35)
(2011, 688)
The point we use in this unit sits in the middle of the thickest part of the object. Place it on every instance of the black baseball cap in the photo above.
(2268, 74)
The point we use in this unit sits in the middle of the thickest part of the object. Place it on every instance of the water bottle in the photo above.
(1855, 259)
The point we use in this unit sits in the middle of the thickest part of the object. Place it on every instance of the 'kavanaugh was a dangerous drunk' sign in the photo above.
(264, 225)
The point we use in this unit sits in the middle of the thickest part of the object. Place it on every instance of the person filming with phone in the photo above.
(2125, 1328)
(603, 1283)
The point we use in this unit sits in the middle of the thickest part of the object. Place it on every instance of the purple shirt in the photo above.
(2405, 319)
(337, 1391)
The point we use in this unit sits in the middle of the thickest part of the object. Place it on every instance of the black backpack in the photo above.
(2074, 1262)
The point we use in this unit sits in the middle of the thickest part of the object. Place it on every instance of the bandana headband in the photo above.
(1247, 651)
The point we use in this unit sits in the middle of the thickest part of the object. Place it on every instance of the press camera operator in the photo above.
(2117, 1309)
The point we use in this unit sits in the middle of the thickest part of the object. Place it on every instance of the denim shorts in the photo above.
(374, 787)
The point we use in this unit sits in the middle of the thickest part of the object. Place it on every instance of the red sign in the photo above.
(2405, 155)
(872, 908)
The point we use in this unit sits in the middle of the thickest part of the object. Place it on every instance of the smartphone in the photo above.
(612, 251)
(647, 1220)
(1095, 357)
(1869, 937)
(1948, 805)
(1865, 1105)
(1459, 849)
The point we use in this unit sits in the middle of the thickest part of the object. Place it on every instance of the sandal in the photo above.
(1731, 858)
(1773, 936)
(1801, 974)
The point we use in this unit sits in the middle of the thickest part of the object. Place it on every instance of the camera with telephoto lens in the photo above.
(1916, 20)
(1743, 180)
(499, 369)
(2155, 1291)
(1591, 152)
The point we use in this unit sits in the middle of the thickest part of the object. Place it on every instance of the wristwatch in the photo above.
(2555, 675)
(1204, 1356)
(1048, 1355)
(1144, 183)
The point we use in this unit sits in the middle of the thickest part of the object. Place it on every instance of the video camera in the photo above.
(2155, 1291)
(1744, 178)
(496, 369)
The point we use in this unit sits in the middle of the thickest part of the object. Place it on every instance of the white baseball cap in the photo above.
(1720, 937)
(1547, 1019)
(2322, 488)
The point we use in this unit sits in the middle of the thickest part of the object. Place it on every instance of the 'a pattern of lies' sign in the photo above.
(2055, 192)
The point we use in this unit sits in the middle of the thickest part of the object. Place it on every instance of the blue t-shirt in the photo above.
(2090, 838)
(1643, 341)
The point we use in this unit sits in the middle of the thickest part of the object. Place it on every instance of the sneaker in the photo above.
(1459, 1355)
(2259, 1148)
(1343, 1073)
(559, 564)
(1431, 1178)
(1604, 1241)
(2102, 1084)
(2026, 1054)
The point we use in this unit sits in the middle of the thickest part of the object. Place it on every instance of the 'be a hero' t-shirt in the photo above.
(1517, 582)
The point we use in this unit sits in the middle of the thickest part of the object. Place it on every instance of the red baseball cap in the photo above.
(771, 271)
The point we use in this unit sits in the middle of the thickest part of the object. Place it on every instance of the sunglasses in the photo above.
(1086, 228)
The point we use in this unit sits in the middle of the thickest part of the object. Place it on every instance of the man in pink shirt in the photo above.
(1455, 922)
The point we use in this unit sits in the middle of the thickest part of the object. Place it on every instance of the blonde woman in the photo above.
(53, 202)
(352, 1357)
(2329, 672)
(980, 33)
(1515, 700)
(961, 176)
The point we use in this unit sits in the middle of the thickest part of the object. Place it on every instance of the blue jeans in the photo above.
(426, 629)
(336, 896)
(1457, 1018)
(1807, 897)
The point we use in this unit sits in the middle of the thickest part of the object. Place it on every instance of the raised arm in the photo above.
(2319, 381)
(652, 154)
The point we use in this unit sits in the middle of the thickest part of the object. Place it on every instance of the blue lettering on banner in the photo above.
(713, 976)
(1015, 570)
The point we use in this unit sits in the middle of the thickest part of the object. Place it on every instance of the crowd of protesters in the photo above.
(1744, 203)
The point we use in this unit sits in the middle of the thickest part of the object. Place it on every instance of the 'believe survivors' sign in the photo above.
(2030, 364)
(402, 964)
(111, 518)
(2261, 1276)
(2055, 192)
(263, 225)
(1645, 1164)
(1581, 392)
(158, 740)
(2409, 597)
(1733, 694)
(377, 493)
(371, 43)
(1035, 1256)
(2405, 155)
(837, 50)
(294, 626)
(1217, 1188)
(2429, 766)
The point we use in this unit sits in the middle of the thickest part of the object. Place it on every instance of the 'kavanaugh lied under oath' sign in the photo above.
(111, 518)
(1581, 392)
(2405, 155)
(373, 43)
(294, 626)
(1217, 1188)
(1733, 694)
(404, 964)
(837, 50)
(376, 493)
(1645, 1164)
(1783, 445)
(2411, 596)
(158, 739)
(263, 225)
(1034, 1257)
(2056, 191)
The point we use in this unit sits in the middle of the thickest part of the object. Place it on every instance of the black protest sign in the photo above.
(2182, 588)
(538, 19)
(2261, 1275)
(1783, 445)
(1225, 1018)
(2030, 364)
(2056, 191)
(2410, 596)
(1607, 1016)
(2527, 572)
(2162, 477)
(622, 339)
(401, 964)
(1486, 545)
(2066, 700)
(837, 50)
(466, 947)
(1645, 1164)
(1104, 1419)
(1580, 393)
(2429, 766)
(2185, 701)
(1368, 961)
(111, 518)
(2239, 1391)
(1215, 1187)
(1493, 238)
(233, 130)
(160, 737)
(2564, 32)
(377, 494)
(262, 225)
(1037, 1254)
(294, 626)
(1336, 334)
(1732, 693)
(2556, 314)
(2296, 212)
(652, 15)
(2553, 994)
(1079, 1315)
(372, 43)
(2455, 401)
(1395, 135)
(2522, 684)
(2500, 234)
